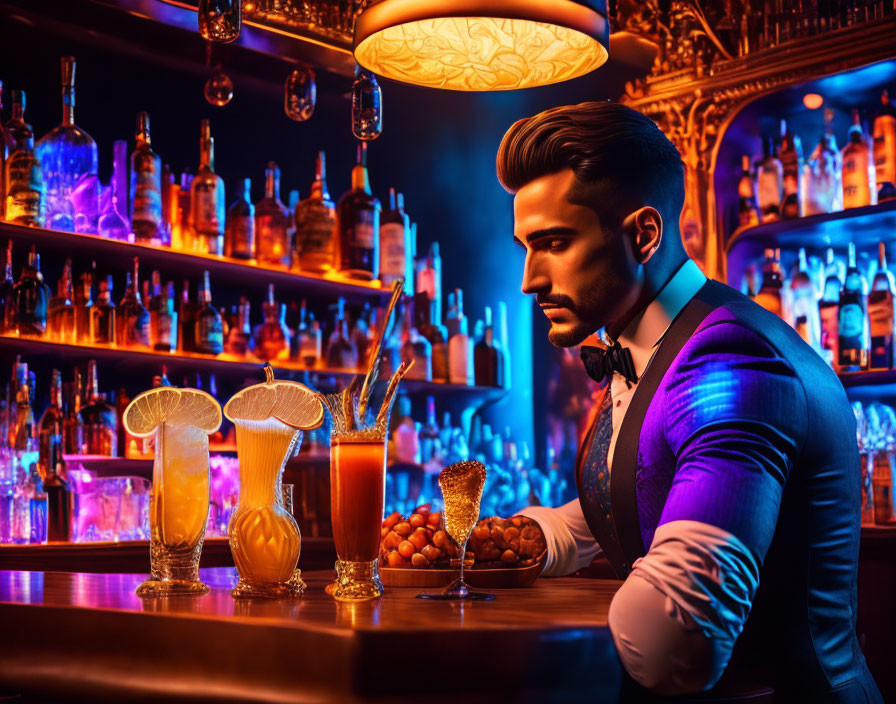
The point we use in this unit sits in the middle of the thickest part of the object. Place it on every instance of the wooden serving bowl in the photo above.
(502, 578)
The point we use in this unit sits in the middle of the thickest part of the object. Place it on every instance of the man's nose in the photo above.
(535, 279)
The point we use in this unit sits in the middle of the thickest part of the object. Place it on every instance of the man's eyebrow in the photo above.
(546, 232)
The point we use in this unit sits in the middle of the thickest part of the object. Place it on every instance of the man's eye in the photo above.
(556, 244)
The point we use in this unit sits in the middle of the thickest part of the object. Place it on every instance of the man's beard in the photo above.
(569, 337)
(572, 333)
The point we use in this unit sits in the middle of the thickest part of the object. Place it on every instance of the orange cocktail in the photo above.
(357, 494)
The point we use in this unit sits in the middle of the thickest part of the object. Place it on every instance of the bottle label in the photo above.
(880, 321)
(24, 186)
(885, 149)
(829, 329)
(206, 205)
(769, 188)
(161, 330)
(392, 250)
(147, 205)
(851, 322)
(362, 235)
(856, 186)
(210, 337)
(308, 347)
(242, 236)
(315, 223)
(882, 487)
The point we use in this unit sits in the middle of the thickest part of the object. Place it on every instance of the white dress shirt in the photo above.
(676, 618)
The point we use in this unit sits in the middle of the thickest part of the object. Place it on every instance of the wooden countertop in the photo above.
(90, 636)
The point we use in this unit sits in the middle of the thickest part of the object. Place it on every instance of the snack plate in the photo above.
(502, 578)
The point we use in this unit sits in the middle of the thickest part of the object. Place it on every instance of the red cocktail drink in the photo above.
(357, 494)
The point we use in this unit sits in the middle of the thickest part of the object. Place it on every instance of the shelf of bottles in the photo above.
(812, 245)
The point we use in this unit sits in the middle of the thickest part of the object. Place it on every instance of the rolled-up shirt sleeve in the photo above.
(570, 545)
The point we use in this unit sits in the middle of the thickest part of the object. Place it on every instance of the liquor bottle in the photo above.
(207, 205)
(749, 212)
(821, 190)
(390, 358)
(209, 325)
(69, 160)
(61, 308)
(360, 334)
(885, 149)
(791, 155)
(24, 455)
(170, 212)
(119, 182)
(99, 420)
(880, 313)
(272, 222)
(805, 302)
(73, 425)
(83, 303)
(430, 442)
(770, 182)
(186, 313)
(316, 224)
(25, 191)
(416, 348)
(59, 499)
(272, 338)
(7, 296)
(858, 168)
(488, 362)
(307, 344)
(852, 320)
(3, 154)
(239, 232)
(394, 232)
(770, 292)
(827, 309)
(132, 318)
(341, 350)
(239, 336)
(358, 224)
(102, 315)
(162, 316)
(146, 187)
(426, 323)
(112, 223)
(460, 347)
(30, 298)
(184, 209)
(429, 278)
(51, 425)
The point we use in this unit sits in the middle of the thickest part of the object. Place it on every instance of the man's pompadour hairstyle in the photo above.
(621, 159)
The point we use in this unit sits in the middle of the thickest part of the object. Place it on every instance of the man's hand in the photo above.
(507, 542)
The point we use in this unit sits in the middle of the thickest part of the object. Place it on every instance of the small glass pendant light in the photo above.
(300, 94)
(367, 105)
(219, 20)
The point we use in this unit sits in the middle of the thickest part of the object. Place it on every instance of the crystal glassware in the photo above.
(358, 477)
(461, 486)
(300, 94)
(367, 105)
(219, 20)
(67, 156)
(264, 537)
(180, 421)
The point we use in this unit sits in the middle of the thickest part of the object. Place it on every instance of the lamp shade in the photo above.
(479, 45)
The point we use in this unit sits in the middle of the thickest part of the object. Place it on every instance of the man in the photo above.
(720, 476)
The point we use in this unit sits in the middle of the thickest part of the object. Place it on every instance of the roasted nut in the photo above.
(391, 540)
(514, 545)
(527, 547)
(406, 548)
(511, 533)
(392, 519)
(497, 534)
(423, 509)
(481, 532)
(394, 559)
(431, 553)
(402, 528)
(517, 521)
(440, 539)
(530, 532)
(420, 538)
(509, 557)
(416, 520)
(434, 519)
(417, 560)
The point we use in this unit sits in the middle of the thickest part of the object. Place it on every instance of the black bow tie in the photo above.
(601, 363)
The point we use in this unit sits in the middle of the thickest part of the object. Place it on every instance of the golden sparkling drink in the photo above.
(461, 486)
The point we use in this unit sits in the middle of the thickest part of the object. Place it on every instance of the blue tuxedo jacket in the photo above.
(737, 423)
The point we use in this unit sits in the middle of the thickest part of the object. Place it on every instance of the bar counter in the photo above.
(88, 636)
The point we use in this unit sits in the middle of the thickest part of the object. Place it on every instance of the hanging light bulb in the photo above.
(219, 20)
(367, 105)
(219, 88)
(478, 45)
(300, 94)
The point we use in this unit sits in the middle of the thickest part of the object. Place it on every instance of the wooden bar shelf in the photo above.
(184, 263)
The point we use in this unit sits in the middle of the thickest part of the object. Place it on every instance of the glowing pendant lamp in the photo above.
(479, 45)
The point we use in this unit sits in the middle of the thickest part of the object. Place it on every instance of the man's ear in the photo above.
(644, 228)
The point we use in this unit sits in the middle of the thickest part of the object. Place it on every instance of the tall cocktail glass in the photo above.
(180, 421)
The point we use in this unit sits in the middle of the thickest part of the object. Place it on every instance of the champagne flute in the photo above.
(461, 486)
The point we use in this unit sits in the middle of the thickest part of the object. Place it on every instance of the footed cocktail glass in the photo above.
(358, 475)
(181, 421)
(264, 537)
(461, 485)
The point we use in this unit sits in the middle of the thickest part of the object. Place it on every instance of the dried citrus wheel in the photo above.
(174, 407)
(289, 402)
